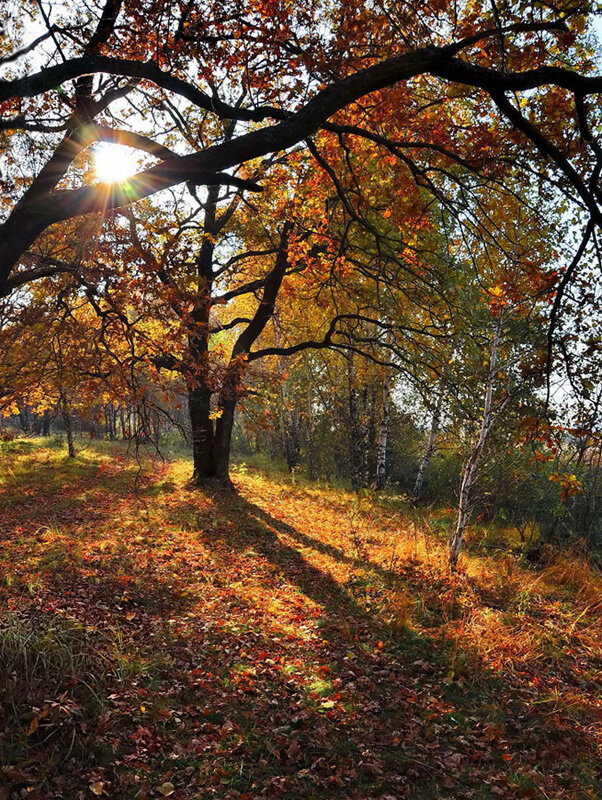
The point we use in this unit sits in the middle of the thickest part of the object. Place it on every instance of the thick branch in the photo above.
(23, 227)
(135, 140)
(265, 310)
(47, 269)
(53, 77)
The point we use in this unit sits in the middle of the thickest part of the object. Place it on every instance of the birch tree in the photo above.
(383, 432)
(470, 471)
(430, 449)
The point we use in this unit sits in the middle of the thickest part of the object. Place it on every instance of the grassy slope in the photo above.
(158, 641)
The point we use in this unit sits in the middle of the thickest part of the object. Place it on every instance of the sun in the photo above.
(114, 163)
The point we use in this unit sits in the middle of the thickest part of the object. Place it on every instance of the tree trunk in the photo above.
(68, 423)
(383, 433)
(309, 438)
(358, 454)
(271, 446)
(203, 457)
(211, 442)
(212, 446)
(430, 449)
(110, 420)
(289, 421)
(46, 423)
(470, 470)
(24, 420)
(223, 440)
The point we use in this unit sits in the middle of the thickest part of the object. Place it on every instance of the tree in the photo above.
(487, 420)
(430, 449)
(226, 98)
(276, 59)
(53, 363)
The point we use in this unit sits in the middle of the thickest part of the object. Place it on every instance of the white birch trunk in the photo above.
(383, 433)
(430, 449)
(471, 468)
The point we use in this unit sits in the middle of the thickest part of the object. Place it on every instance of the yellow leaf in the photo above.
(97, 788)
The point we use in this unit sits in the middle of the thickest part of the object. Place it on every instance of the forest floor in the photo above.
(285, 641)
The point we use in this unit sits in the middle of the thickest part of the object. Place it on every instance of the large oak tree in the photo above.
(451, 99)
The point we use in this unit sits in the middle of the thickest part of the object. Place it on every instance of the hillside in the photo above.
(287, 641)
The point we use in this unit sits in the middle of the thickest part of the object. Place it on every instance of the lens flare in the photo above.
(114, 163)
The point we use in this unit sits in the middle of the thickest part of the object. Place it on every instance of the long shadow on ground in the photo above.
(418, 723)
(235, 666)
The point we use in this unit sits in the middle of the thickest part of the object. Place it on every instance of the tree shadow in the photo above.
(260, 531)
(296, 688)
(420, 700)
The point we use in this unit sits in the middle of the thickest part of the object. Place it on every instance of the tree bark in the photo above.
(383, 433)
(309, 439)
(111, 421)
(217, 465)
(24, 420)
(199, 409)
(211, 442)
(430, 449)
(358, 454)
(289, 422)
(68, 423)
(223, 440)
(471, 468)
(199, 392)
